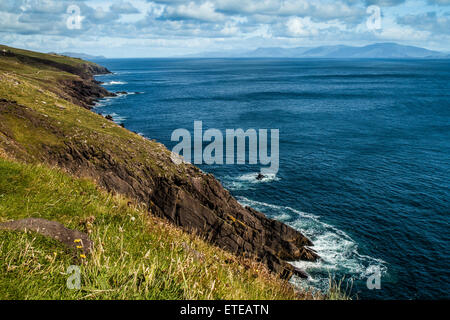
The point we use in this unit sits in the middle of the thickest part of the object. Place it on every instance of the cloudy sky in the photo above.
(158, 28)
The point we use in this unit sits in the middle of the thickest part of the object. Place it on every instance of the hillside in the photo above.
(45, 119)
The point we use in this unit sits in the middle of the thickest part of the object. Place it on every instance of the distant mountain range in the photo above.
(374, 51)
(81, 56)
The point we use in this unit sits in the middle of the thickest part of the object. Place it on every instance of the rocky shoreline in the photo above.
(276, 243)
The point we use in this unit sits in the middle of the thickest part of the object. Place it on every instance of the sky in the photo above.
(164, 28)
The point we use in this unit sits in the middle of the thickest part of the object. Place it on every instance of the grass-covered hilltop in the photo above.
(159, 230)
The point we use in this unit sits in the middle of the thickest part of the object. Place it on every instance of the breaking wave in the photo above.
(338, 251)
(118, 118)
(112, 83)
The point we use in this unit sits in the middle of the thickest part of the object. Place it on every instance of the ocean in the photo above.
(364, 155)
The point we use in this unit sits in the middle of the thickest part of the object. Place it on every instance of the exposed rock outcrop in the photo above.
(83, 92)
(72, 238)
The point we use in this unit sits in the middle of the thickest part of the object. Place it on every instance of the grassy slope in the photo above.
(136, 256)
(29, 84)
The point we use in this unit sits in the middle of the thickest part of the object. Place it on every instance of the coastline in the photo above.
(182, 194)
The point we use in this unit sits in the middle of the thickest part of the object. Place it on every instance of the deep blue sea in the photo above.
(364, 154)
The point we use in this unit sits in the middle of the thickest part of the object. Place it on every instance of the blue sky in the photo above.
(143, 28)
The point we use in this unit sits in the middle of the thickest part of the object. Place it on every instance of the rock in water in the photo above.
(300, 273)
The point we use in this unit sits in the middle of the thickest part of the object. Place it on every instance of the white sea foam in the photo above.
(247, 180)
(338, 251)
(118, 118)
(111, 83)
(104, 102)
(99, 104)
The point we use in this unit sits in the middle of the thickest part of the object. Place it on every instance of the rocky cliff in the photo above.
(41, 121)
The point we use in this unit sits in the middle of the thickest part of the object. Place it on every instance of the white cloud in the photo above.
(230, 29)
(202, 12)
(215, 24)
(301, 27)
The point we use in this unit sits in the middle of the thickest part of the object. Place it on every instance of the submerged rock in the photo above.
(260, 176)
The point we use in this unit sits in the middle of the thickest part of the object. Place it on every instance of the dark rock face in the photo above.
(72, 238)
(83, 92)
(196, 202)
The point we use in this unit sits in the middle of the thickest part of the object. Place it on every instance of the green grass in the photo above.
(46, 56)
(136, 255)
(28, 85)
